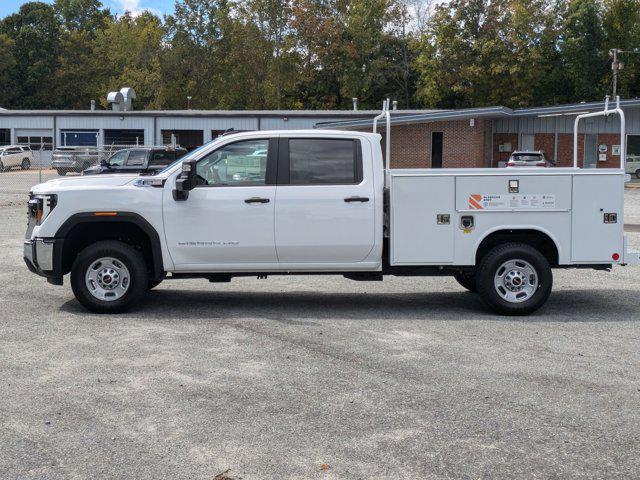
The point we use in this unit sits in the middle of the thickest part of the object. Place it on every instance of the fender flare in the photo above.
(120, 217)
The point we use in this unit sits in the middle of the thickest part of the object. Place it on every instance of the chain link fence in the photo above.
(24, 165)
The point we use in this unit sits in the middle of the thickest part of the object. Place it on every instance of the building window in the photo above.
(123, 137)
(36, 142)
(189, 139)
(79, 138)
(436, 149)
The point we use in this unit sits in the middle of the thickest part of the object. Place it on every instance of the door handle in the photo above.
(356, 199)
(257, 200)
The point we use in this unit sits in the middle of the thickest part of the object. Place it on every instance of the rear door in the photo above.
(325, 208)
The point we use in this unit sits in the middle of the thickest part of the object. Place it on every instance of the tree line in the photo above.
(318, 54)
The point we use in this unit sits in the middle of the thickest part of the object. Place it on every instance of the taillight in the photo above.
(511, 164)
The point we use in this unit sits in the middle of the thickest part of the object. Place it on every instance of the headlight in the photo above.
(40, 206)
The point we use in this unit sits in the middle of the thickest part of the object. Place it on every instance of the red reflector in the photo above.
(615, 256)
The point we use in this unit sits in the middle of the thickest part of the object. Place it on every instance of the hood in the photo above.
(91, 181)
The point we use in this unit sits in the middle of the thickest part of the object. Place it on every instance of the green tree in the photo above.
(584, 59)
(8, 62)
(128, 53)
(35, 31)
(622, 31)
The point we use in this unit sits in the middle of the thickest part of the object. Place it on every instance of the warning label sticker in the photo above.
(533, 201)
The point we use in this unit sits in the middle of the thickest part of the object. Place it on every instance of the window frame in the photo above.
(272, 164)
(284, 162)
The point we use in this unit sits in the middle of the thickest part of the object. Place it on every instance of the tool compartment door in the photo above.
(416, 236)
(593, 240)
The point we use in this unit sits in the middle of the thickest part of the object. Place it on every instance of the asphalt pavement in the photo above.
(319, 378)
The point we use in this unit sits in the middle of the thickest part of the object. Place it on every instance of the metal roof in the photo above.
(208, 113)
(485, 112)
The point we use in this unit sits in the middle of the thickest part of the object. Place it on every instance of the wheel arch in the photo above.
(536, 237)
(82, 229)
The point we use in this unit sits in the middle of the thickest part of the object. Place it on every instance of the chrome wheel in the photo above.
(107, 279)
(516, 281)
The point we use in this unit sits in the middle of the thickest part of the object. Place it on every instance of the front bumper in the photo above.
(43, 257)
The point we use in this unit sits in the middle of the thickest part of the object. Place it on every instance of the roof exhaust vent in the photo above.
(122, 101)
(116, 100)
(129, 95)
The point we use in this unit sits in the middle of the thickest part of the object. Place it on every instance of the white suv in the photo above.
(15, 156)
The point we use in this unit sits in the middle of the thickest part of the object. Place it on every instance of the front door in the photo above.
(325, 205)
(227, 221)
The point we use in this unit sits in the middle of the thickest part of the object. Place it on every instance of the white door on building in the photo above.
(527, 142)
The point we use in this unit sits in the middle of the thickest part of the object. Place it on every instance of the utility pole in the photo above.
(616, 66)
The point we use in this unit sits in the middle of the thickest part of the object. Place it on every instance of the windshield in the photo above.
(188, 156)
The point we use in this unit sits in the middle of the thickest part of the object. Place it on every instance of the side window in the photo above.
(242, 163)
(136, 158)
(324, 161)
(118, 159)
(161, 158)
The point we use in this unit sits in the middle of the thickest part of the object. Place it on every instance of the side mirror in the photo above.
(104, 163)
(187, 180)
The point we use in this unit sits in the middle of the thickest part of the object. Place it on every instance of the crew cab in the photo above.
(147, 160)
(324, 202)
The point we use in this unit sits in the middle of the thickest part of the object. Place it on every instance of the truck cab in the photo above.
(324, 202)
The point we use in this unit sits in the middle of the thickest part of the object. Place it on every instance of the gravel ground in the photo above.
(320, 378)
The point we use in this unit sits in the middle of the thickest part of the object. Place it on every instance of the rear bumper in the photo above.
(43, 257)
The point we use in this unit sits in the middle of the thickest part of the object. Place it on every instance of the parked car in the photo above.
(73, 159)
(15, 156)
(147, 160)
(529, 159)
(632, 165)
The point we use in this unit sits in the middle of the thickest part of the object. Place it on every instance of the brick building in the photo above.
(485, 137)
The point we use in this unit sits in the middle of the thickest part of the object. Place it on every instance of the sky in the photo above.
(159, 7)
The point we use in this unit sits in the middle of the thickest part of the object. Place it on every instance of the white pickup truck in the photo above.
(323, 202)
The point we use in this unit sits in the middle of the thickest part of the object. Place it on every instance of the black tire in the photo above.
(61, 172)
(638, 173)
(26, 164)
(1, 167)
(467, 280)
(153, 284)
(125, 254)
(492, 261)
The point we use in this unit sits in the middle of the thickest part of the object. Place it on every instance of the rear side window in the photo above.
(324, 161)
(136, 158)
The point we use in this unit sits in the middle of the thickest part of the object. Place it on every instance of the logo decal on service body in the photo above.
(529, 201)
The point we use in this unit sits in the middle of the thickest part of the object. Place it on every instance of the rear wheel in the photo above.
(1, 167)
(467, 280)
(638, 173)
(514, 279)
(109, 277)
(61, 172)
(26, 164)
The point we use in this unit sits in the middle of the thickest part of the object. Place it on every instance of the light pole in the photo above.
(189, 102)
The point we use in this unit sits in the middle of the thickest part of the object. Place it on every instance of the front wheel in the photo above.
(109, 277)
(638, 173)
(514, 279)
(26, 164)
